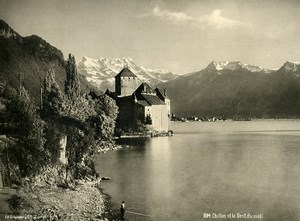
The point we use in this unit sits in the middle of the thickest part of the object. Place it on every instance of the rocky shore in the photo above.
(84, 201)
(44, 200)
(150, 133)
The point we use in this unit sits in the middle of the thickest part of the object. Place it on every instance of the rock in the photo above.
(79, 182)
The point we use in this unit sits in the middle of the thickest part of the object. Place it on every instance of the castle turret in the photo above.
(126, 82)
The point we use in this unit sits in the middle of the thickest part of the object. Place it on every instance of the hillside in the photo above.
(101, 72)
(32, 56)
(233, 88)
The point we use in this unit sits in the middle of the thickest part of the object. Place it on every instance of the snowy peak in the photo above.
(234, 65)
(101, 72)
(291, 66)
(221, 65)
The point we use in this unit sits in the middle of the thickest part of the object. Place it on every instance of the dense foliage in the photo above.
(29, 152)
(72, 86)
(84, 120)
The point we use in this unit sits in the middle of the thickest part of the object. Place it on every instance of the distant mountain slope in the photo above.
(32, 56)
(233, 88)
(101, 72)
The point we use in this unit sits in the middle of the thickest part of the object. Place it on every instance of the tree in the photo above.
(80, 108)
(28, 153)
(105, 119)
(53, 99)
(72, 85)
(83, 119)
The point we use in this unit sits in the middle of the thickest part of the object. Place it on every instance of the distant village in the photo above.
(208, 119)
(196, 118)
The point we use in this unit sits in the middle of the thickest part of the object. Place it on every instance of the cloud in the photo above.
(215, 19)
(175, 17)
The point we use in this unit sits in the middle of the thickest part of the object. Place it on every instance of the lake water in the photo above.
(209, 169)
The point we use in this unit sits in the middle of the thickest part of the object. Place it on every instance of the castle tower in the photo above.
(126, 82)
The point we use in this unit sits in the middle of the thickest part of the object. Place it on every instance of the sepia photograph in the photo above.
(150, 110)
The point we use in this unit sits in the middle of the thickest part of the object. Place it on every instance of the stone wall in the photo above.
(159, 116)
(126, 115)
(125, 86)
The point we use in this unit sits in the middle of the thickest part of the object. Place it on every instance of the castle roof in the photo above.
(125, 72)
(145, 89)
(160, 94)
(153, 100)
(110, 93)
(143, 103)
(146, 96)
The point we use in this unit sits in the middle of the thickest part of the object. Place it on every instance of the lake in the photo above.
(208, 171)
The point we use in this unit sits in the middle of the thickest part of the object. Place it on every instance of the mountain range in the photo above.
(221, 89)
(231, 89)
(101, 72)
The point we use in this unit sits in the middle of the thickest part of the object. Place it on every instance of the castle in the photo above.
(139, 103)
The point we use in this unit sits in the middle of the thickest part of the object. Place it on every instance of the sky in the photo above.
(180, 36)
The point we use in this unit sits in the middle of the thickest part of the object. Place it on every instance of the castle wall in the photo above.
(126, 115)
(118, 85)
(139, 113)
(168, 103)
(159, 116)
(125, 86)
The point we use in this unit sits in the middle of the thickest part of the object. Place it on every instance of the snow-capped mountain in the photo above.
(234, 88)
(101, 72)
(291, 66)
(234, 66)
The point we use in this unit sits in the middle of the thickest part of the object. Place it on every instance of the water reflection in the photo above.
(160, 152)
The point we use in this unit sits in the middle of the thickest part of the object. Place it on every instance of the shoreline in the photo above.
(108, 213)
(85, 201)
